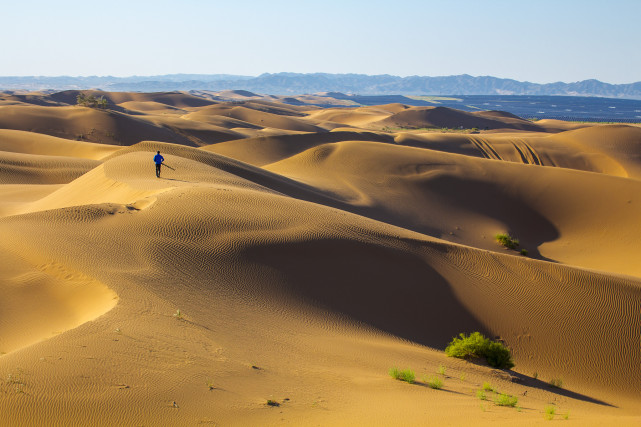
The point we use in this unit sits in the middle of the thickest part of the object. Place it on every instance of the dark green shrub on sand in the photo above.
(476, 345)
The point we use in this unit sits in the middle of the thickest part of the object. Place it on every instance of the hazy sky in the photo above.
(540, 41)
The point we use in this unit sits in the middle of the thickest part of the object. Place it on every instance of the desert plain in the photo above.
(293, 254)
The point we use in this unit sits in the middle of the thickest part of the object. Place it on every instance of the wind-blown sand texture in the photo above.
(296, 254)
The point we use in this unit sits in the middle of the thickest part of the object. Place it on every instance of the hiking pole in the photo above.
(164, 164)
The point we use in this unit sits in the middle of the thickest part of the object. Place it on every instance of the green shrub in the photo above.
(441, 370)
(506, 400)
(481, 394)
(476, 345)
(435, 383)
(91, 101)
(507, 240)
(549, 412)
(524, 252)
(406, 375)
(487, 387)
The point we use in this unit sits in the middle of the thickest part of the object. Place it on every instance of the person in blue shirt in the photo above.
(158, 159)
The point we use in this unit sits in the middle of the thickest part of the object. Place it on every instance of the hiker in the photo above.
(158, 159)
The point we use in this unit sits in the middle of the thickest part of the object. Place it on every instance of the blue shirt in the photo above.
(158, 159)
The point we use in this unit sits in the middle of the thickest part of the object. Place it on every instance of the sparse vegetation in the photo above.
(549, 412)
(506, 400)
(441, 370)
(91, 101)
(178, 314)
(271, 402)
(506, 240)
(476, 345)
(481, 394)
(434, 382)
(535, 375)
(524, 252)
(556, 382)
(210, 385)
(406, 375)
(487, 386)
(16, 382)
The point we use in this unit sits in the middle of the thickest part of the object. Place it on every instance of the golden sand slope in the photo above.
(300, 268)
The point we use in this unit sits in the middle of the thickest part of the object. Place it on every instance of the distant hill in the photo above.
(295, 83)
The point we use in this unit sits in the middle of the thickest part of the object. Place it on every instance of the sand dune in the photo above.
(443, 117)
(301, 265)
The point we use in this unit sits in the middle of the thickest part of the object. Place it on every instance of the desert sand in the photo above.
(294, 254)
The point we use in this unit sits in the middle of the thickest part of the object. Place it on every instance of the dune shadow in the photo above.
(536, 383)
(386, 288)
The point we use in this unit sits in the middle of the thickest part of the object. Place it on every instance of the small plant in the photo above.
(556, 382)
(566, 415)
(481, 394)
(535, 375)
(178, 314)
(524, 252)
(550, 411)
(272, 403)
(487, 387)
(406, 375)
(210, 385)
(476, 345)
(506, 400)
(441, 370)
(434, 382)
(507, 240)
(463, 376)
(483, 407)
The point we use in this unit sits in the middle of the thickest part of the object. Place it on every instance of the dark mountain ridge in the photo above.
(297, 83)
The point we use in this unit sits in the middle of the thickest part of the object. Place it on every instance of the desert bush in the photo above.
(549, 412)
(476, 345)
(434, 382)
(487, 387)
(506, 400)
(507, 240)
(524, 252)
(91, 101)
(406, 375)
(481, 394)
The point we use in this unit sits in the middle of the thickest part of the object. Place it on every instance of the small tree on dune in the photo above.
(91, 101)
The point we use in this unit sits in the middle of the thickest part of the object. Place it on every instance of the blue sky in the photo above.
(538, 41)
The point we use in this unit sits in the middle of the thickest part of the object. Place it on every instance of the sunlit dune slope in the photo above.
(173, 99)
(87, 124)
(255, 117)
(32, 143)
(469, 200)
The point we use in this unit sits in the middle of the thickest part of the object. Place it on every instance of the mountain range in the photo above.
(297, 83)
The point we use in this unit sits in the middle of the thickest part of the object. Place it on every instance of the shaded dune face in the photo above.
(296, 254)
